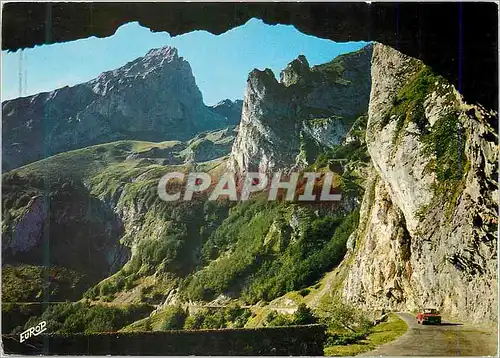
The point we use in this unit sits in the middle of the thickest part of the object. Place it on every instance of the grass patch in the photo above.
(79, 163)
(141, 146)
(166, 319)
(378, 335)
(25, 283)
(258, 317)
(387, 331)
(343, 351)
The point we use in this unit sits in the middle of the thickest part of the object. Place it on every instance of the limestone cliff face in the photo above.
(29, 229)
(427, 232)
(264, 112)
(308, 107)
(153, 98)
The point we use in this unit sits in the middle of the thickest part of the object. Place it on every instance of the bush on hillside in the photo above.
(342, 317)
(174, 318)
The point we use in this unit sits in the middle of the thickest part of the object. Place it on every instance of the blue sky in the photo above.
(220, 63)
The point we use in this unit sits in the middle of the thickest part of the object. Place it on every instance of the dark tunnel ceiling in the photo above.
(457, 40)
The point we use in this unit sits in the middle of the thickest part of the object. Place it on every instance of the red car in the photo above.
(428, 316)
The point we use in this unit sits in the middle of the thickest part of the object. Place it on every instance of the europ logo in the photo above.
(33, 331)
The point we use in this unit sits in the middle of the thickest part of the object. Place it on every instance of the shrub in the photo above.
(106, 288)
(338, 315)
(129, 283)
(344, 338)
(194, 321)
(214, 320)
(175, 317)
(304, 292)
(232, 316)
(274, 319)
(149, 326)
(303, 315)
(81, 317)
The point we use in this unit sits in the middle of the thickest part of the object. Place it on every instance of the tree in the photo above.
(174, 318)
(303, 315)
(194, 321)
(214, 320)
(149, 326)
(274, 319)
(232, 311)
(337, 314)
(106, 288)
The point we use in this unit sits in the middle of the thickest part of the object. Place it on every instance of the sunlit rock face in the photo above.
(308, 107)
(427, 232)
(154, 98)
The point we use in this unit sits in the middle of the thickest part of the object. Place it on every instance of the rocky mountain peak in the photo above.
(168, 53)
(261, 82)
(157, 62)
(228, 103)
(277, 117)
(229, 110)
(297, 69)
(154, 97)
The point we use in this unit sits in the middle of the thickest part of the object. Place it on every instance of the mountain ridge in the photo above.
(115, 105)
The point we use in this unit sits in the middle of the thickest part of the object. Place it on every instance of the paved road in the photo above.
(447, 339)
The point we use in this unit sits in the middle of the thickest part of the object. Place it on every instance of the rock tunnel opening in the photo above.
(124, 174)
